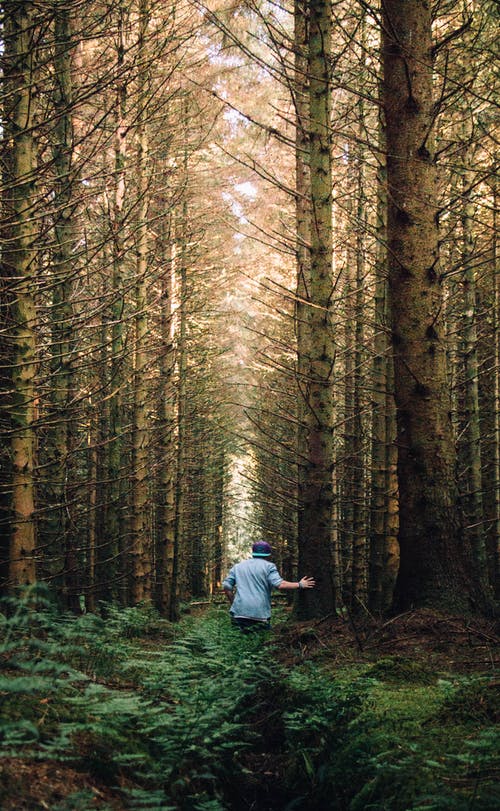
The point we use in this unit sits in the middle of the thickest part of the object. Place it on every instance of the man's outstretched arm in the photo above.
(303, 583)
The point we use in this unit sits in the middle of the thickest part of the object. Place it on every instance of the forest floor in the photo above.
(130, 712)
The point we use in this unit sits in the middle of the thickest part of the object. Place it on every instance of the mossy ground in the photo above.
(129, 712)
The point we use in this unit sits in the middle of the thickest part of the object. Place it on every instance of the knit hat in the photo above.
(261, 549)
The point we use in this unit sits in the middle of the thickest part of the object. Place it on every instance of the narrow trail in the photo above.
(233, 690)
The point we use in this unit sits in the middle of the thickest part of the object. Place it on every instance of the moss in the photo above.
(403, 706)
(389, 744)
(398, 669)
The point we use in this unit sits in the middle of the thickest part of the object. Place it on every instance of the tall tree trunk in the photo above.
(359, 550)
(354, 457)
(494, 546)
(303, 244)
(198, 518)
(165, 516)
(347, 495)
(92, 510)
(102, 566)
(391, 515)
(384, 548)
(218, 547)
(379, 445)
(179, 563)
(62, 434)
(432, 566)
(20, 266)
(473, 498)
(113, 552)
(316, 486)
(141, 541)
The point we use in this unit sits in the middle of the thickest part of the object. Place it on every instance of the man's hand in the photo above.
(307, 583)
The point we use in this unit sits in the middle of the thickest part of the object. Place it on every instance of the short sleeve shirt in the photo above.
(254, 581)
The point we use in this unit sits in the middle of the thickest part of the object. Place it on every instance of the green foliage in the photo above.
(79, 801)
(475, 699)
(177, 725)
(384, 747)
(178, 717)
(135, 622)
(209, 691)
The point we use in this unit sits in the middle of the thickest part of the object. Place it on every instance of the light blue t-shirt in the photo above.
(254, 580)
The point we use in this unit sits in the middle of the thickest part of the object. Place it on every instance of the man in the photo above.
(254, 581)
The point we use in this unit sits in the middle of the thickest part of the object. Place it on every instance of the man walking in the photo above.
(254, 581)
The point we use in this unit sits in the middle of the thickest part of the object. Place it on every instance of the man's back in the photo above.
(254, 580)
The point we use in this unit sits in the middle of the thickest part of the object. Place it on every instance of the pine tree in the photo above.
(20, 275)
(316, 480)
(432, 566)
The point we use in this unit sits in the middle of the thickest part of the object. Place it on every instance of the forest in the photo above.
(249, 291)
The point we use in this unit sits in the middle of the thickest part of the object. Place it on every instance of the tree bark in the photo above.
(112, 563)
(179, 564)
(20, 265)
(141, 540)
(494, 544)
(473, 496)
(63, 339)
(384, 548)
(316, 483)
(165, 516)
(432, 566)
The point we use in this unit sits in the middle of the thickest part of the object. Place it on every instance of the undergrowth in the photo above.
(197, 717)
(388, 746)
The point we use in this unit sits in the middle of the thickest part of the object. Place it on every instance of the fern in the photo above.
(175, 715)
